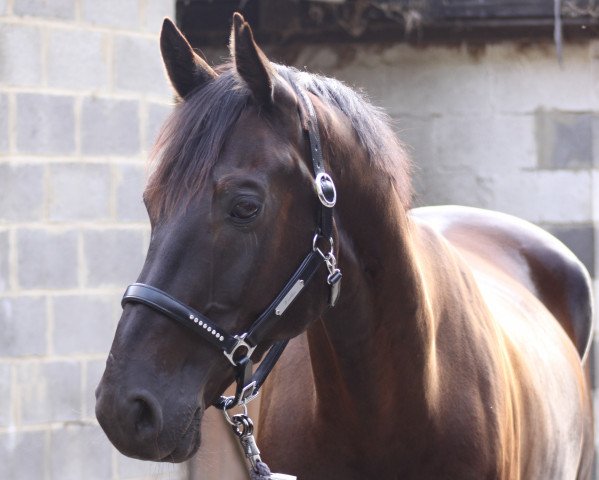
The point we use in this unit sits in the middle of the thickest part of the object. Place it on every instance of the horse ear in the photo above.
(186, 69)
(251, 63)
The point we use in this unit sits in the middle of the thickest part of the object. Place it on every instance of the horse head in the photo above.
(232, 210)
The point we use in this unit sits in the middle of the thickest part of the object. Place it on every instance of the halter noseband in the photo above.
(238, 349)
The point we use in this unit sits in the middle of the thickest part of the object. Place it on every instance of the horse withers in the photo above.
(454, 350)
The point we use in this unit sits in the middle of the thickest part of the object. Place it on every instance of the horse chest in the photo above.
(338, 450)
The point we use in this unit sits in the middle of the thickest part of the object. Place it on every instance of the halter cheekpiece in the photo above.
(238, 349)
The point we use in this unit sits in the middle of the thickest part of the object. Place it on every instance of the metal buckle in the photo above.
(240, 343)
(322, 178)
(248, 393)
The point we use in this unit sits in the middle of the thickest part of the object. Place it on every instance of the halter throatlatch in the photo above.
(238, 349)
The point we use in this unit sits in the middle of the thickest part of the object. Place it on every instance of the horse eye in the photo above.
(245, 210)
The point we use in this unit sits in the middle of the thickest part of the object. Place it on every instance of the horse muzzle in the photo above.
(137, 425)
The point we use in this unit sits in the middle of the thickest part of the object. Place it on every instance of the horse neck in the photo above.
(378, 332)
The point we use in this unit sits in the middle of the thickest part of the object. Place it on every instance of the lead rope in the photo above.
(243, 429)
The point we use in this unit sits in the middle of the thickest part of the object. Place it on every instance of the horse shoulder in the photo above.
(527, 279)
(528, 254)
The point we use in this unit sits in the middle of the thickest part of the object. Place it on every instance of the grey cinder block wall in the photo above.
(82, 95)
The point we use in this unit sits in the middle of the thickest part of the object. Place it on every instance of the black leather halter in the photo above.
(238, 349)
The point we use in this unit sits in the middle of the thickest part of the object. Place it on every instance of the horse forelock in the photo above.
(191, 140)
(190, 143)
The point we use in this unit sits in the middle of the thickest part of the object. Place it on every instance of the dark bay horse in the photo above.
(453, 352)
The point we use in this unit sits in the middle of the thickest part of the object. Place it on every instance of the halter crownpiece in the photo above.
(238, 349)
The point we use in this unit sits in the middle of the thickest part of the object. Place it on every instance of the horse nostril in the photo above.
(146, 414)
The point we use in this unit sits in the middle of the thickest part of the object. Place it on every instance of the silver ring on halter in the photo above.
(228, 417)
(322, 179)
(315, 247)
(243, 426)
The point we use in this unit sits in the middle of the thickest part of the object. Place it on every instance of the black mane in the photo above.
(191, 140)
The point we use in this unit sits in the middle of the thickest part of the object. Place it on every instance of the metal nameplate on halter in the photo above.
(290, 297)
(281, 476)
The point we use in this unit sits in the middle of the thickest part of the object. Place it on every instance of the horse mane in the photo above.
(371, 124)
(192, 139)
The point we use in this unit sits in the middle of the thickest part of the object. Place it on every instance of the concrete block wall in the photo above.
(82, 95)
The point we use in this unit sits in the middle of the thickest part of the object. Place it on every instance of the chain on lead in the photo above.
(334, 276)
(329, 257)
(243, 428)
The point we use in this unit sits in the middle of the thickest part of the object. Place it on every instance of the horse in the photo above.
(454, 349)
